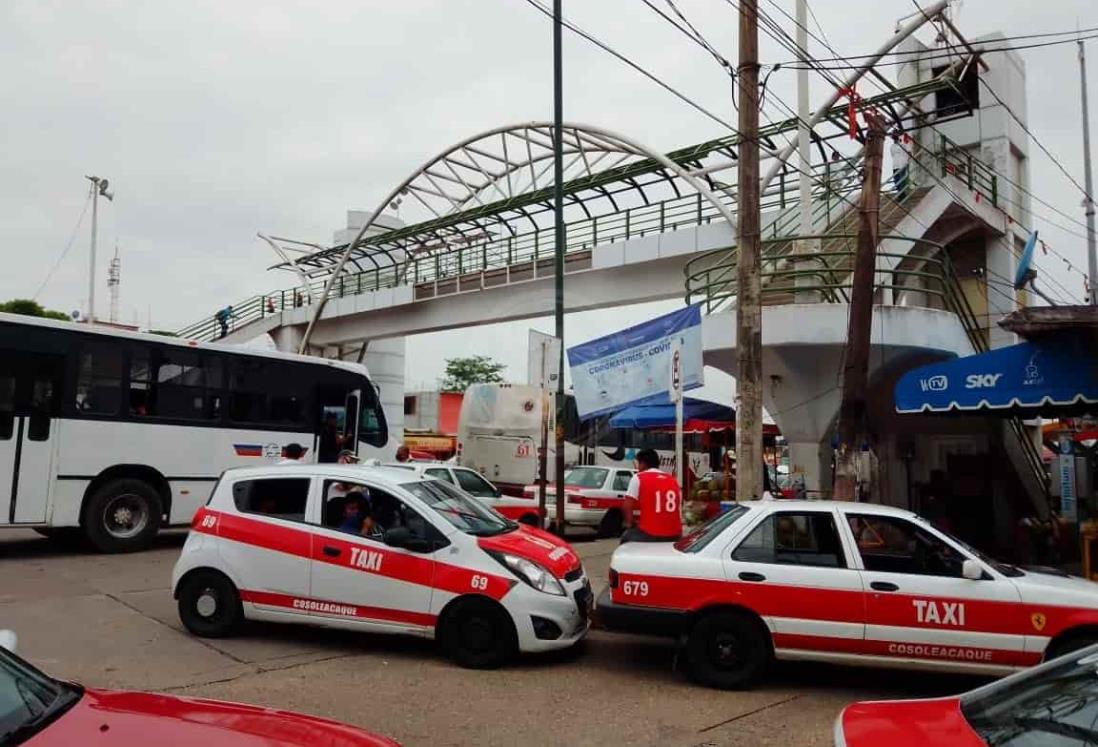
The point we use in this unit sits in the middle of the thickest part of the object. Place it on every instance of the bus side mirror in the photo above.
(971, 570)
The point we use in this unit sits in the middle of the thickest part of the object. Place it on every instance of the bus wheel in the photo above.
(611, 524)
(122, 516)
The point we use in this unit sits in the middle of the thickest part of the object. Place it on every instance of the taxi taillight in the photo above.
(573, 498)
(613, 579)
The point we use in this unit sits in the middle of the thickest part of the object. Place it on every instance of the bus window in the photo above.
(99, 381)
(174, 384)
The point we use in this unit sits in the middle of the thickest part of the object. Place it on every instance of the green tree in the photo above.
(474, 369)
(27, 307)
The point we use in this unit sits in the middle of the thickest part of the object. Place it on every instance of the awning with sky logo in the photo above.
(1055, 374)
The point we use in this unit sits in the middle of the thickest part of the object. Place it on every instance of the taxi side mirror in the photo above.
(972, 570)
(397, 537)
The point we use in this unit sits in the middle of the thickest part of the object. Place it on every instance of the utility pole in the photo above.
(749, 241)
(860, 323)
(1092, 240)
(99, 188)
(558, 203)
(804, 145)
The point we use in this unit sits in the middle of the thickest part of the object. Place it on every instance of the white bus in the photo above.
(499, 431)
(113, 434)
(500, 428)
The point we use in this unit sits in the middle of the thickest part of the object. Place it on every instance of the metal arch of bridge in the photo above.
(586, 145)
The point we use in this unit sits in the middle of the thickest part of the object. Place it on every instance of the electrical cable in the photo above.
(603, 46)
(65, 251)
(1029, 132)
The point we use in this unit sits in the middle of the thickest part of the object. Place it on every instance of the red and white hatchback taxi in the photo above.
(841, 582)
(593, 497)
(378, 549)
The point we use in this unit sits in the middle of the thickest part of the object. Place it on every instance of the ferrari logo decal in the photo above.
(1038, 620)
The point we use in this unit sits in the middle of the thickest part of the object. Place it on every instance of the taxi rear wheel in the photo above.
(611, 524)
(209, 605)
(478, 634)
(726, 650)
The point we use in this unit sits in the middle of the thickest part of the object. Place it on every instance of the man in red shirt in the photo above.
(658, 497)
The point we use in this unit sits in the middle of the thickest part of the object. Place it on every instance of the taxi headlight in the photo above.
(530, 572)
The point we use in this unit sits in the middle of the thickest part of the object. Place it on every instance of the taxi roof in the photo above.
(349, 472)
(880, 509)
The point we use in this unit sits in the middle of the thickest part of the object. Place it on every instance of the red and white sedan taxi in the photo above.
(380, 549)
(37, 710)
(841, 582)
(523, 510)
(1053, 705)
(593, 497)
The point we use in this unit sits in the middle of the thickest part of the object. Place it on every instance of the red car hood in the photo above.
(907, 723)
(121, 719)
(532, 543)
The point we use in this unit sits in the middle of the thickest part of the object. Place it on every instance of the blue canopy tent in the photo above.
(661, 414)
(1055, 374)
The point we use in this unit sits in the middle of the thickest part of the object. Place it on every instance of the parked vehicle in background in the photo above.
(378, 549)
(41, 711)
(594, 497)
(114, 434)
(499, 431)
(1055, 704)
(522, 510)
(840, 582)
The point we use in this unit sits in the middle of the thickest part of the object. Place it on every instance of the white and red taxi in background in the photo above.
(593, 497)
(841, 582)
(37, 710)
(438, 564)
(1053, 705)
(522, 510)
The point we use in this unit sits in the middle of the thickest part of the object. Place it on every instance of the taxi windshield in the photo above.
(585, 477)
(464, 512)
(710, 530)
(1054, 705)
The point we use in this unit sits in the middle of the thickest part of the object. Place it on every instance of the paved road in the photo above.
(110, 621)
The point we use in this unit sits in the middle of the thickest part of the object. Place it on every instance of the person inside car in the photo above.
(357, 517)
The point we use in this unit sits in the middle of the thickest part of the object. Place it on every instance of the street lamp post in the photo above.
(99, 188)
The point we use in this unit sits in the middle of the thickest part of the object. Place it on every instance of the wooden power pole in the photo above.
(749, 457)
(860, 322)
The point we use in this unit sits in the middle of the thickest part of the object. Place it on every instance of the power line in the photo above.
(947, 50)
(65, 251)
(601, 45)
(1029, 132)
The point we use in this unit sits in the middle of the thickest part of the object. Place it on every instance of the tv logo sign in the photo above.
(982, 381)
(934, 384)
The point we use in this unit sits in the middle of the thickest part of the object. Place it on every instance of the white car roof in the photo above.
(348, 472)
(876, 509)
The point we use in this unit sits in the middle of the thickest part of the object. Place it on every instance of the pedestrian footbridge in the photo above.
(478, 247)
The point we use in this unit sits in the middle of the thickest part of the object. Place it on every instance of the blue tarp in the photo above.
(1060, 371)
(662, 414)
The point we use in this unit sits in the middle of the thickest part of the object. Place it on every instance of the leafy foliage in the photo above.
(27, 307)
(474, 369)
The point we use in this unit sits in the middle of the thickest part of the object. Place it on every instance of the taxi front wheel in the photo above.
(726, 650)
(209, 605)
(478, 634)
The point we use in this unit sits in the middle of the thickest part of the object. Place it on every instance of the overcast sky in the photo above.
(216, 119)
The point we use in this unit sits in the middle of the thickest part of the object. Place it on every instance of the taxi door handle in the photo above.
(884, 586)
(332, 552)
(748, 576)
